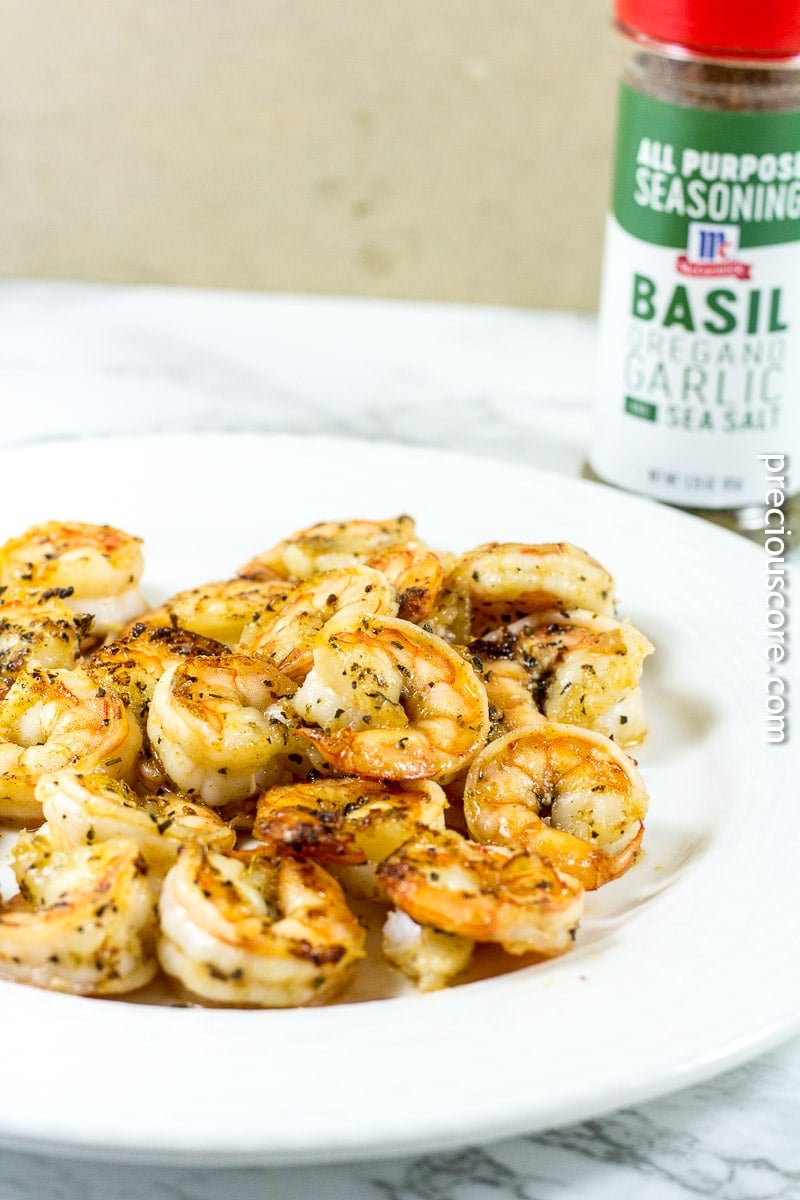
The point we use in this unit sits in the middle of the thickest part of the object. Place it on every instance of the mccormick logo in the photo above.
(712, 250)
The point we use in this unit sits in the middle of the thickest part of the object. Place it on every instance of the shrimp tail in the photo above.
(591, 866)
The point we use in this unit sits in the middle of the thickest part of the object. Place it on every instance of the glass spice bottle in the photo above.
(699, 372)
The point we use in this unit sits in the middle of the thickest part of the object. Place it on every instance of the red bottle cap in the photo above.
(717, 28)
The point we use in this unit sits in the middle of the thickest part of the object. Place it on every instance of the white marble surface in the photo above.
(86, 359)
(78, 358)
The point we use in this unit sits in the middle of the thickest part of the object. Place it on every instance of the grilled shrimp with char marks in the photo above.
(417, 575)
(584, 669)
(349, 825)
(509, 580)
(393, 702)
(38, 627)
(268, 932)
(485, 893)
(287, 630)
(84, 921)
(589, 790)
(51, 719)
(329, 545)
(219, 727)
(101, 565)
(132, 665)
(346, 820)
(508, 686)
(217, 610)
(84, 809)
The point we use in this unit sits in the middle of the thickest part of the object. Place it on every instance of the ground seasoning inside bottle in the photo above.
(699, 373)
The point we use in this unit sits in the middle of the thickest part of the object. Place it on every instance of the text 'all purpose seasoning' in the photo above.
(699, 369)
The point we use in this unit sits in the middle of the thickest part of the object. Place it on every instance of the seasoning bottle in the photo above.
(699, 373)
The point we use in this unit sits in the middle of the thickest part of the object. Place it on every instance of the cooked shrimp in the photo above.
(510, 691)
(429, 957)
(270, 932)
(417, 576)
(329, 545)
(394, 702)
(218, 727)
(583, 669)
(217, 610)
(350, 825)
(85, 920)
(133, 665)
(286, 631)
(486, 893)
(450, 616)
(82, 809)
(568, 794)
(346, 820)
(509, 580)
(575, 667)
(55, 719)
(37, 627)
(101, 565)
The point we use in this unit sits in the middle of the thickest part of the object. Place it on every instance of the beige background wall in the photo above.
(453, 149)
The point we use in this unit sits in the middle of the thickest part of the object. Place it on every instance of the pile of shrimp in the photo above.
(212, 789)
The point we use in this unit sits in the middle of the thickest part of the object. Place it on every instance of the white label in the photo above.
(699, 369)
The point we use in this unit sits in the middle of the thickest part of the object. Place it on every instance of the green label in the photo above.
(640, 408)
(677, 165)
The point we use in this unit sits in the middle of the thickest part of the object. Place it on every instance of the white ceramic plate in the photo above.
(685, 967)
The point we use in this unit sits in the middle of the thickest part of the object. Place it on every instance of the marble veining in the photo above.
(733, 1138)
(77, 359)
